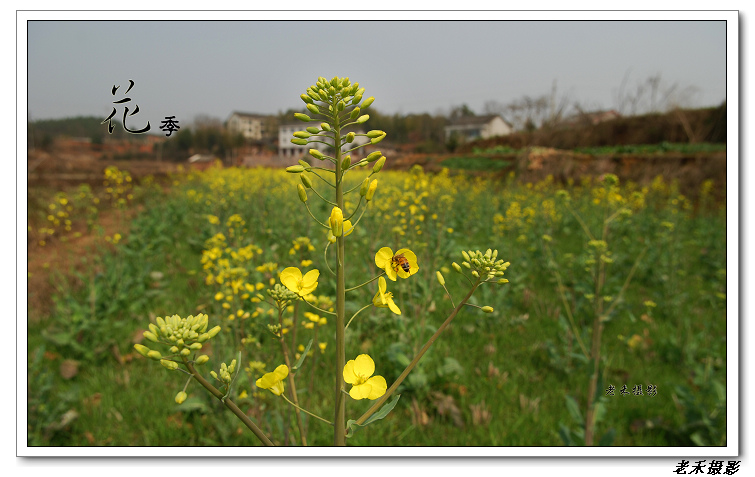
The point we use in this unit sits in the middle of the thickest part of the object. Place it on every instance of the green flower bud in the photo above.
(302, 193)
(302, 117)
(299, 142)
(202, 359)
(180, 397)
(379, 165)
(150, 336)
(363, 118)
(365, 186)
(373, 156)
(195, 346)
(357, 99)
(160, 322)
(475, 273)
(325, 126)
(306, 181)
(487, 309)
(502, 281)
(334, 81)
(306, 99)
(203, 337)
(371, 190)
(359, 92)
(457, 267)
(313, 109)
(354, 113)
(295, 169)
(340, 106)
(346, 162)
(312, 130)
(441, 280)
(169, 365)
(142, 350)
(350, 137)
(375, 133)
(377, 139)
(302, 134)
(185, 352)
(311, 93)
(174, 349)
(466, 264)
(316, 154)
(465, 255)
(214, 374)
(304, 164)
(367, 102)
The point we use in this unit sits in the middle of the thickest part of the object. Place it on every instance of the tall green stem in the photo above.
(340, 405)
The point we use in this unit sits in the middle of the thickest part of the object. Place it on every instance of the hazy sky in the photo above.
(187, 68)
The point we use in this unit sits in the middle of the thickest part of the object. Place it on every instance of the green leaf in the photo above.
(301, 358)
(352, 426)
(573, 408)
(565, 434)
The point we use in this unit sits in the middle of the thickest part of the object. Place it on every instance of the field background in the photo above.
(515, 377)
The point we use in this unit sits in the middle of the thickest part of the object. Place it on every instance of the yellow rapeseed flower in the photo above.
(395, 264)
(358, 373)
(292, 278)
(274, 381)
(384, 299)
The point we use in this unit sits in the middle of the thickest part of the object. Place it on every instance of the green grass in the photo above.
(496, 379)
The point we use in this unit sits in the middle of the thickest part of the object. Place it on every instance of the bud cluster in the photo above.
(226, 372)
(484, 265)
(282, 295)
(184, 335)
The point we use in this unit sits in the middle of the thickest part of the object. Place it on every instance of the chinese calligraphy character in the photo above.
(125, 112)
(637, 390)
(652, 389)
(624, 391)
(731, 467)
(715, 467)
(681, 466)
(610, 390)
(698, 468)
(170, 125)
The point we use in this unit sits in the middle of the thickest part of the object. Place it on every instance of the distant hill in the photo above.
(81, 126)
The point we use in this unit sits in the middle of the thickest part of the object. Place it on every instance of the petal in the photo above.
(378, 386)
(278, 388)
(348, 373)
(310, 278)
(383, 257)
(360, 392)
(394, 308)
(382, 286)
(347, 227)
(290, 277)
(378, 300)
(364, 366)
(281, 372)
(266, 381)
